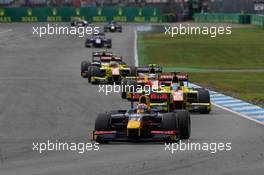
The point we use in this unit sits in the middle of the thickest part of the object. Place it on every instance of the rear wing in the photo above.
(153, 97)
(106, 58)
(168, 78)
(157, 69)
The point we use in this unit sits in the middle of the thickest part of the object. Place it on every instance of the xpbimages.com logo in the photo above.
(64, 30)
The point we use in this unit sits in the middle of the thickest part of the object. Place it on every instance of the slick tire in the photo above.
(94, 71)
(123, 90)
(84, 67)
(131, 86)
(169, 123)
(203, 97)
(102, 123)
(89, 75)
(133, 71)
(184, 121)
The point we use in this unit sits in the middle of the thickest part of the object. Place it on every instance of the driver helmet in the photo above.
(152, 76)
(142, 108)
(103, 52)
(175, 86)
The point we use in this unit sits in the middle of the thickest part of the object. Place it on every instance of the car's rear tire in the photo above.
(133, 71)
(204, 97)
(123, 90)
(84, 67)
(94, 71)
(89, 75)
(184, 121)
(132, 86)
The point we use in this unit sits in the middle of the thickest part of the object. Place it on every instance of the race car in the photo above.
(112, 72)
(142, 76)
(98, 40)
(99, 59)
(195, 99)
(142, 124)
(112, 27)
(174, 86)
(80, 22)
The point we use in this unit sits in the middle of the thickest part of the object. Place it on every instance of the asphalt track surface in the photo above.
(43, 97)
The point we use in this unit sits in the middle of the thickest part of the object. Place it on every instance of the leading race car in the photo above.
(112, 27)
(98, 40)
(80, 22)
(142, 124)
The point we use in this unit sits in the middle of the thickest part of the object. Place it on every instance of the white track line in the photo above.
(135, 48)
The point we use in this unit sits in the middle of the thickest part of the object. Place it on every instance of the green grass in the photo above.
(204, 58)
(243, 49)
(246, 86)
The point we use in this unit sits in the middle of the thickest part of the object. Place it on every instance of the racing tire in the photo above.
(109, 46)
(94, 71)
(89, 74)
(204, 97)
(87, 43)
(133, 71)
(123, 90)
(84, 67)
(102, 123)
(184, 121)
(169, 123)
(109, 43)
(132, 85)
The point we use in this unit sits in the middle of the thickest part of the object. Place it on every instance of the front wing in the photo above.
(156, 136)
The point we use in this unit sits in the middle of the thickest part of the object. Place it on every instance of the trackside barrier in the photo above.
(257, 20)
(222, 18)
(66, 14)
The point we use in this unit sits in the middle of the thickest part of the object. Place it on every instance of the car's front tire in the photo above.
(102, 123)
(84, 68)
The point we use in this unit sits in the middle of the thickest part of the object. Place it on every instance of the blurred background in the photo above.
(179, 9)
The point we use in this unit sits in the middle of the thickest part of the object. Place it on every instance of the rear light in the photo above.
(164, 132)
(104, 132)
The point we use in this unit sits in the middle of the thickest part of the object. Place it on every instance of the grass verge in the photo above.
(233, 65)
